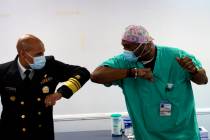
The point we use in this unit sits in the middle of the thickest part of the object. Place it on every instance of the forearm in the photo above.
(104, 75)
(199, 77)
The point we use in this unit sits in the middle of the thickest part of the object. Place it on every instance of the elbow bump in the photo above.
(93, 78)
(85, 73)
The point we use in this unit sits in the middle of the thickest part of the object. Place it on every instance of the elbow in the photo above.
(206, 81)
(94, 78)
(83, 75)
(200, 78)
(87, 73)
(97, 77)
(202, 82)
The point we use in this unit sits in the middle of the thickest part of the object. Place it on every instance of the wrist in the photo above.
(132, 72)
(59, 95)
(65, 91)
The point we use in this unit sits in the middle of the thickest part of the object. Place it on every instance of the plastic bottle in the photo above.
(128, 128)
(116, 121)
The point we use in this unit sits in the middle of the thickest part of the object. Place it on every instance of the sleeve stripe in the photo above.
(76, 81)
(73, 84)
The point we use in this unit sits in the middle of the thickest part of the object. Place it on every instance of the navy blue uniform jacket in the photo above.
(24, 115)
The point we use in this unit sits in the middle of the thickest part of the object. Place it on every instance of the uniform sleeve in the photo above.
(0, 81)
(73, 76)
(3, 70)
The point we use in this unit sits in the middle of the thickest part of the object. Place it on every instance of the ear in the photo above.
(25, 57)
(21, 54)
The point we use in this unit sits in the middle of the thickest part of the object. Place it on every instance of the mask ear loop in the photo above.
(138, 48)
(29, 56)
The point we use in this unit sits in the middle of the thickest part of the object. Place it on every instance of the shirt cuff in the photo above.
(65, 91)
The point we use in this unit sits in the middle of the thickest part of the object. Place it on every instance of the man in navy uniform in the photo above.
(27, 89)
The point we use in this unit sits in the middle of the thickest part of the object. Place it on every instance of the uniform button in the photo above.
(12, 98)
(39, 113)
(24, 129)
(39, 125)
(38, 99)
(22, 103)
(23, 116)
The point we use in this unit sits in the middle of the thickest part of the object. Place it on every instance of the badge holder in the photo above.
(165, 108)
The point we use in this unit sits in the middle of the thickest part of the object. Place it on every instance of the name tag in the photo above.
(165, 108)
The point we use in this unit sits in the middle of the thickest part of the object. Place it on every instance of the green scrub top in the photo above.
(143, 97)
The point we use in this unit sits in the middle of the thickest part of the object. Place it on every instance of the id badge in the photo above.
(165, 108)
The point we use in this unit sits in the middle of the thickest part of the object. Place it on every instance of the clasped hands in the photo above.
(51, 99)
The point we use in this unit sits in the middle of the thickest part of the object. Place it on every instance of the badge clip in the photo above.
(169, 87)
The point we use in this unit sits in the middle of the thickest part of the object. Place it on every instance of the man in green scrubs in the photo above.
(156, 83)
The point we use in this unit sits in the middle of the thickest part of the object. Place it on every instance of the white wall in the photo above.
(86, 32)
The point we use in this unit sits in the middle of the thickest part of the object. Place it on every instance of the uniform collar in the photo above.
(22, 69)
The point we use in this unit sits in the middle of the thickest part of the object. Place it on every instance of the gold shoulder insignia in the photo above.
(77, 76)
(45, 89)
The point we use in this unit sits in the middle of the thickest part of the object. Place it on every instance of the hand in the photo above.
(51, 99)
(145, 73)
(187, 64)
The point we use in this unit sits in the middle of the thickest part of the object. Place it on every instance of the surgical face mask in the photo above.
(133, 56)
(130, 56)
(39, 62)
